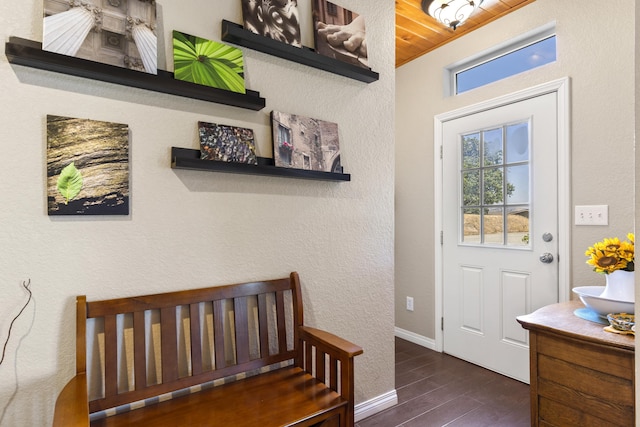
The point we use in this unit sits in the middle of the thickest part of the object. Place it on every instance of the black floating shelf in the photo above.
(186, 158)
(29, 53)
(234, 33)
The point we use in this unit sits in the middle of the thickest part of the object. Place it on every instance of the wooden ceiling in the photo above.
(417, 33)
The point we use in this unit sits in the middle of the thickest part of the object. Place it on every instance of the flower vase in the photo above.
(620, 286)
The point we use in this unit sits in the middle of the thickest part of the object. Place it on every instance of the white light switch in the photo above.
(592, 215)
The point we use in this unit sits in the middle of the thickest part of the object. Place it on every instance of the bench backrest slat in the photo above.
(263, 323)
(196, 340)
(205, 335)
(111, 356)
(140, 358)
(218, 334)
(168, 340)
(282, 327)
(242, 329)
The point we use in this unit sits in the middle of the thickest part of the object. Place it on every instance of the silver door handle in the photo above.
(546, 258)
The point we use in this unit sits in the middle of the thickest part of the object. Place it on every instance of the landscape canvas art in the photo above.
(276, 19)
(339, 33)
(87, 167)
(114, 32)
(208, 62)
(301, 142)
(227, 143)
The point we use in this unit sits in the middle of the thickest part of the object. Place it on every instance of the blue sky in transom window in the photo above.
(526, 58)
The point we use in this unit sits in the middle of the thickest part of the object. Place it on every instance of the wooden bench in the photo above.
(250, 337)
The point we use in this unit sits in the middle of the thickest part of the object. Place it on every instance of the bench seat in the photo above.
(263, 400)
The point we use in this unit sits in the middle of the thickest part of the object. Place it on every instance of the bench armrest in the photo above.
(314, 363)
(330, 343)
(72, 405)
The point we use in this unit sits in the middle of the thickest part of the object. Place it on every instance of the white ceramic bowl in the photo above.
(590, 297)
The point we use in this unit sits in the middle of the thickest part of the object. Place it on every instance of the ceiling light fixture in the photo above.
(451, 13)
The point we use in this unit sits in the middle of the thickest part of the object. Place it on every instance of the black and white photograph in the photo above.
(301, 142)
(87, 167)
(339, 33)
(227, 143)
(116, 32)
(276, 19)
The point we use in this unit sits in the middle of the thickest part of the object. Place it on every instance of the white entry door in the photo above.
(500, 230)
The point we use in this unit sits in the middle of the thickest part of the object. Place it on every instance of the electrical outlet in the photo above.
(592, 215)
(410, 303)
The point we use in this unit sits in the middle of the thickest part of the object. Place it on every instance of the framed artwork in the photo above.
(227, 143)
(339, 33)
(276, 19)
(301, 142)
(115, 32)
(208, 62)
(87, 167)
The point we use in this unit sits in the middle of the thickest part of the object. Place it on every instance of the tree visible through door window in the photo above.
(495, 205)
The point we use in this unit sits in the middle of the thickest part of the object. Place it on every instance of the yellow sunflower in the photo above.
(611, 254)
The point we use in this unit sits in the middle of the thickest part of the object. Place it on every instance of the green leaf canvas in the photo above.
(208, 63)
(87, 167)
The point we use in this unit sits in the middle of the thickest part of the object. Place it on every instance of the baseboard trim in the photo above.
(375, 405)
(415, 338)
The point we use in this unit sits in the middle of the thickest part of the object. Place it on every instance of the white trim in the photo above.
(561, 87)
(375, 405)
(415, 338)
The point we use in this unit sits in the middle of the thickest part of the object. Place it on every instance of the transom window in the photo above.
(495, 177)
(521, 54)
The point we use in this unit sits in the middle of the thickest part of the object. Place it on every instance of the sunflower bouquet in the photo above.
(612, 254)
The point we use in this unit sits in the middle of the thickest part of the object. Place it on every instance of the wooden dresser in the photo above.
(580, 374)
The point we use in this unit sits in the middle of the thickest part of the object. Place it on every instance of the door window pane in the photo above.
(493, 226)
(518, 226)
(495, 196)
(518, 142)
(471, 188)
(471, 227)
(492, 147)
(518, 184)
(471, 151)
(493, 188)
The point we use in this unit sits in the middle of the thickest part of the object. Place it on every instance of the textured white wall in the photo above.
(192, 229)
(596, 50)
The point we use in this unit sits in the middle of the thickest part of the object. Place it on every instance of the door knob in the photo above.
(546, 258)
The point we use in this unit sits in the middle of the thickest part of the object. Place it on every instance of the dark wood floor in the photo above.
(435, 389)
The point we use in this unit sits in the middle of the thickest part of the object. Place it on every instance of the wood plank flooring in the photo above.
(435, 389)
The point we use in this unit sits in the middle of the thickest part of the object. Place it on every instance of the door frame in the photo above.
(561, 88)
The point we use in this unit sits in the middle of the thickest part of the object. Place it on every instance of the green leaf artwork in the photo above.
(207, 62)
(69, 182)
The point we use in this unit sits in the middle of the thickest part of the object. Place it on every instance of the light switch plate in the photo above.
(592, 215)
